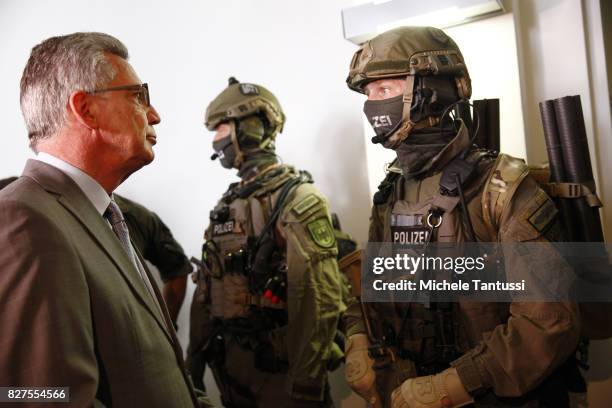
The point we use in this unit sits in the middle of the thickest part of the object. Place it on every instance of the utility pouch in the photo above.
(235, 262)
(278, 340)
(211, 260)
(266, 359)
(350, 266)
(215, 351)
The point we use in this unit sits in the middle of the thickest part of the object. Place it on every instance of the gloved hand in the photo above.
(359, 373)
(443, 390)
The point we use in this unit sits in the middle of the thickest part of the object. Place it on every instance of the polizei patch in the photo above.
(223, 228)
(409, 229)
(410, 235)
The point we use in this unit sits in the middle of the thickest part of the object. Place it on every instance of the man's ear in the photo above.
(80, 108)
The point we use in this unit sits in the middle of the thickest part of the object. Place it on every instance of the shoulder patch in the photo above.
(321, 232)
(543, 215)
(308, 202)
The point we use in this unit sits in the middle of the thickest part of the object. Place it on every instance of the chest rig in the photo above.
(419, 212)
(245, 262)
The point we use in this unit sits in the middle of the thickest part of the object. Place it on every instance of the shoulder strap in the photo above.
(286, 189)
(386, 187)
(460, 176)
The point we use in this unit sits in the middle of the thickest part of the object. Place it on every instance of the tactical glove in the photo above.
(443, 390)
(359, 373)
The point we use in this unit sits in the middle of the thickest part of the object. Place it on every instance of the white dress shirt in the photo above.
(90, 187)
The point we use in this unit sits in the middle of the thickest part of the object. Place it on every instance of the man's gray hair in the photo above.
(57, 67)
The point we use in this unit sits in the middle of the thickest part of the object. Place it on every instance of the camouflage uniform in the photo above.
(270, 282)
(515, 354)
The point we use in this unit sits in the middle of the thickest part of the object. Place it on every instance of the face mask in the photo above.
(417, 154)
(385, 116)
(225, 152)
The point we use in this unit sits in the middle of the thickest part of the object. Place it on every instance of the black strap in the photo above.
(303, 177)
(385, 188)
(267, 230)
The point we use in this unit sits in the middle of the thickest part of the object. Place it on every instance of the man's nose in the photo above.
(152, 116)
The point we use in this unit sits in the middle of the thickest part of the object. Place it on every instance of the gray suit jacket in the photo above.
(74, 311)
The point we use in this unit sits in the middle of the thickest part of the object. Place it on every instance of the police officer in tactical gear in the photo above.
(500, 354)
(269, 283)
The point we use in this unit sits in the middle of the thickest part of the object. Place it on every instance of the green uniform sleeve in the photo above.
(537, 338)
(314, 292)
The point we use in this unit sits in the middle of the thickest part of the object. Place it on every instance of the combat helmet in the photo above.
(242, 100)
(423, 54)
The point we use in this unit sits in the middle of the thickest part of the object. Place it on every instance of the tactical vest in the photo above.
(434, 336)
(236, 223)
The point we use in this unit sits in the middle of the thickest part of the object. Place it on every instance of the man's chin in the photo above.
(148, 154)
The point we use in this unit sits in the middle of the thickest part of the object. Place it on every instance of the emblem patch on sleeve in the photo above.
(321, 232)
(304, 205)
(543, 215)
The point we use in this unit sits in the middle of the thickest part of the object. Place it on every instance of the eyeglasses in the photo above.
(142, 89)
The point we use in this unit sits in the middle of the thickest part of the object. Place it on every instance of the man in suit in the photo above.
(154, 240)
(78, 308)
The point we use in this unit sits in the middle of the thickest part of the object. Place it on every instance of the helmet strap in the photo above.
(234, 135)
(399, 135)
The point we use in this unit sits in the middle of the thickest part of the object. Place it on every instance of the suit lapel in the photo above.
(176, 345)
(74, 200)
(162, 303)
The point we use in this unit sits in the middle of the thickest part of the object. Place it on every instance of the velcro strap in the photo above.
(573, 190)
(468, 373)
(255, 300)
(247, 299)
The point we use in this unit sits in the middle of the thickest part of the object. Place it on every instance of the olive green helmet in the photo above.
(241, 100)
(409, 51)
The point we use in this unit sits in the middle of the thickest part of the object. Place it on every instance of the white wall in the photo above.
(561, 50)
(186, 50)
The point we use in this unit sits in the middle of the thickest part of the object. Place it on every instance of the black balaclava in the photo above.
(226, 152)
(417, 153)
